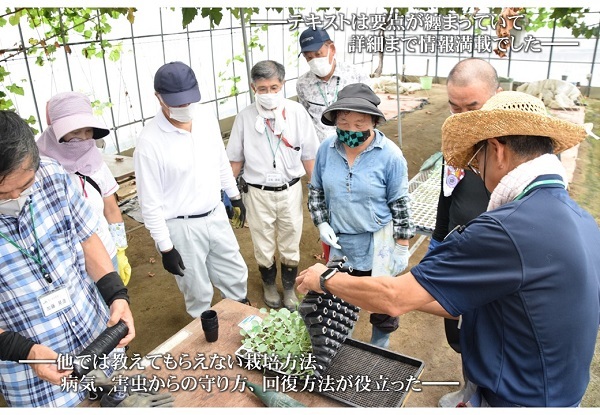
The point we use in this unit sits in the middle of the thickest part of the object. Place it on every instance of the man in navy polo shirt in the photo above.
(524, 276)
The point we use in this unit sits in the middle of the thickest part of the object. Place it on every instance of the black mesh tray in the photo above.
(356, 358)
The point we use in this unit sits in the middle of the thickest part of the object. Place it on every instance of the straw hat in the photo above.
(506, 113)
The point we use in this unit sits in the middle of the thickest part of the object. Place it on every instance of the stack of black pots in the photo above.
(329, 321)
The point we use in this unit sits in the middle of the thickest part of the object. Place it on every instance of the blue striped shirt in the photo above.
(62, 221)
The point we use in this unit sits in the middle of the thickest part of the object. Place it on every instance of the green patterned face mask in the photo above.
(352, 138)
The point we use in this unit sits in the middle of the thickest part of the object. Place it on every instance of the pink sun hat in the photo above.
(69, 111)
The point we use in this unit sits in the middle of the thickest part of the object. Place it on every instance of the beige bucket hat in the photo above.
(506, 113)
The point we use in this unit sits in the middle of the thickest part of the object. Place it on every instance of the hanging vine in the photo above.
(53, 26)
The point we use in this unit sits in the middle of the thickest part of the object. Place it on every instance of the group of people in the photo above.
(181, 171)
(513, 264)
(512, 256)
(62, 230)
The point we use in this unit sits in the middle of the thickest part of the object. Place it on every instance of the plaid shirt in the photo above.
(404, 227)
(316, 95)
(62, 220)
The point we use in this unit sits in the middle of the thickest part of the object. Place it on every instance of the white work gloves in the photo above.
(328, 235)
(399, 260)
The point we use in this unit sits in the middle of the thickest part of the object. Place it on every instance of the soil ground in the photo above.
(159, 309)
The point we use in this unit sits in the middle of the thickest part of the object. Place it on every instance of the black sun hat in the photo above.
(354, 97)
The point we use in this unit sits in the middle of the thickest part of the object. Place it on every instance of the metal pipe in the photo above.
(551, 50)
(399, 118)
(187, 32)
(237, 109)
(62, 32)
(112, 113)
(115, 39)
(162, 35)
(510, 53)
(212, 57)
(137, 75)
(472, 41)
(247, 54)
(437, 58)
(37, 112)
(589, 86)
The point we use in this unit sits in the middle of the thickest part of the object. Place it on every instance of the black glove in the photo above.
(230, 211)
(227, 202)
(239, 217)
(172, 262)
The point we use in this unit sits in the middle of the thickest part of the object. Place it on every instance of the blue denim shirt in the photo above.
(358, 197)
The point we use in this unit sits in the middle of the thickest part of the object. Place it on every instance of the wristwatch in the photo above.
(329, 272)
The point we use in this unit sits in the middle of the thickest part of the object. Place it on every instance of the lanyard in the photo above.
(327, 103)
(281, 137)
(38, 258)
(537, 184)
(83, 180)
(271, 146)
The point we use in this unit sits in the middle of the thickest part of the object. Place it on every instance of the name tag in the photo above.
(274, 178)
(55, 301)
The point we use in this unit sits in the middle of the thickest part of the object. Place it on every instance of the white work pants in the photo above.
(211, 256)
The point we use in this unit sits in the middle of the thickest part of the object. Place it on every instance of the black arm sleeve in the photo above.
(111, 288)
(14, 346)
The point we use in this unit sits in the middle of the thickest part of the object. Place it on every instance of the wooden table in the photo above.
(123, 171)
(120, 166)
(190, 340)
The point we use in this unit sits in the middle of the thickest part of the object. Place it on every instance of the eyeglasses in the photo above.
(273, 89)
(473, 164)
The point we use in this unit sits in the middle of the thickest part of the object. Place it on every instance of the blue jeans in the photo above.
(380, 338)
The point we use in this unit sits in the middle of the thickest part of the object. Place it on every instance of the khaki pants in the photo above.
(275, 220)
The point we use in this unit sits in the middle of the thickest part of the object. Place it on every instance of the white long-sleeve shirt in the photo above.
(180, 173)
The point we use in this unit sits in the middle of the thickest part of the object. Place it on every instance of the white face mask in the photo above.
(183, 114)
(321, 66)
(270, 101)
(12, 207)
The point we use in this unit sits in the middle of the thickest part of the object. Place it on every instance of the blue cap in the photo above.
(176, 83)
(311, 40)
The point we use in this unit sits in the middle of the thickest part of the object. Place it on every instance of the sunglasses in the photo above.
(473, 164)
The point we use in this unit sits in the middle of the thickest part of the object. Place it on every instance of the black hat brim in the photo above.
(351, 104)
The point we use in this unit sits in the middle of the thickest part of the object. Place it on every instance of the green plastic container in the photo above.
(426, 82)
